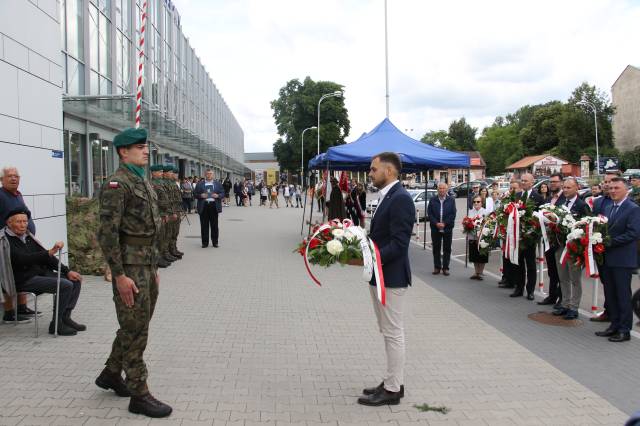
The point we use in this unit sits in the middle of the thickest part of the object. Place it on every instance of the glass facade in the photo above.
(75, 164)
(99, 55)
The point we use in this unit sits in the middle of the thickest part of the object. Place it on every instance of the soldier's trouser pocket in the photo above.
(131, 339)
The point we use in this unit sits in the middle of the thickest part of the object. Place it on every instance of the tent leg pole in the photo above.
(311, 212)
(424, 227)
(304, 209)
(466, 249)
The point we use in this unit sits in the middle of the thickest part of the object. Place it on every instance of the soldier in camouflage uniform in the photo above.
(163, 208)
(175, 197)
(129, 227)
(635, 188)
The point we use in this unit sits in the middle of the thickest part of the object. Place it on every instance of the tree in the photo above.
(540, 134)
(438, 138)
(500, 146)
(463, 134)
(296, 109)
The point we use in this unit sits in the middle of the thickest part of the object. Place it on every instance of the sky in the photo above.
(447, 59)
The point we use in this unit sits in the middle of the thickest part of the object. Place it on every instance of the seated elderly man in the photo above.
(33, 269)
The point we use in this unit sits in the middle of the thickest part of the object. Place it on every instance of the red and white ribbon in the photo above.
(543, 221)
(370, 255)
(591, 267)
(512, 239)
(143, 24)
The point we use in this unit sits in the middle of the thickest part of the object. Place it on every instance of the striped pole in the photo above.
(143, 25)
(541, 269)
(594, 296)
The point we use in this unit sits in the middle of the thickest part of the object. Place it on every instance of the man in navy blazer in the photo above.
(209, 193)
(620, 260)
(441, 212)
(391, 228)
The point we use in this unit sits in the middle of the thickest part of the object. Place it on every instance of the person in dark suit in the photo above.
(555, 294)
(441, 212)
(620, 260)
(209, 194)
(525, 271)
(601, 205)
(569, 274)
(391, 228)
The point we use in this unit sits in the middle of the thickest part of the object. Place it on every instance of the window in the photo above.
(100, 50)
(74, 77)
(102, 158)
(75, 173)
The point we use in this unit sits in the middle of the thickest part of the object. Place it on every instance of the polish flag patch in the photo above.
(114, 185)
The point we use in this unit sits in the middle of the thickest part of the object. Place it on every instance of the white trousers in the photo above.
(391, 325)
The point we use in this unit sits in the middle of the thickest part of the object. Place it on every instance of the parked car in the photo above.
(418, 200)
(627, 174)
(462, 190)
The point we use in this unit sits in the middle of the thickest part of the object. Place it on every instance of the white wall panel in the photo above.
(9, 130)
(9, 94)
(16, 54)
(43, 206)
(50, 230)
(51, 138)
(30, 134)
(39, 101)
(38, 65)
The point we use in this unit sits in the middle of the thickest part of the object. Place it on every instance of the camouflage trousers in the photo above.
(163, 239)
(131, 339)
(175, 230)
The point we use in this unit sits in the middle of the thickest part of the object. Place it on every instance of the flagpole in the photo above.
(386, 58)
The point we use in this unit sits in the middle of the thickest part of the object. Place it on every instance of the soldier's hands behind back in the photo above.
(126, 288)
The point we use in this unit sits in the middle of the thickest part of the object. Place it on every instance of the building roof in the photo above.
(260, 156)
(526, 162)
(624, 71)
(475, 158)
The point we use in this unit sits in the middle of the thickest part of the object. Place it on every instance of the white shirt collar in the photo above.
(620, 203)
(383, 191)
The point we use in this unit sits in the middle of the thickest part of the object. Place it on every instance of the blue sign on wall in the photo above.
(608, 163)
(57, 154)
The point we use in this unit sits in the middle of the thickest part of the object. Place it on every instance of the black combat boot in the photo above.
(169, 257)
(110, 380)
(149, 406)
(176, 254)
(163, 263)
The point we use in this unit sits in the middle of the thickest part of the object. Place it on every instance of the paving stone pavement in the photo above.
(241, 336)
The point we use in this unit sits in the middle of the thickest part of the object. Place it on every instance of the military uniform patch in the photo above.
(114, 185)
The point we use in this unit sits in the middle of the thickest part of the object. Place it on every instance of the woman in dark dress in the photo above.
(475, 257)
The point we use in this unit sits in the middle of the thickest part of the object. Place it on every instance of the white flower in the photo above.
(596, 238)
(338, 233)
(603, 219)
(334, 247)
(486, 231)
(484, 244)
(348, 235)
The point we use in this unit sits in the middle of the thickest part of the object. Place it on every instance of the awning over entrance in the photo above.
(118, 112)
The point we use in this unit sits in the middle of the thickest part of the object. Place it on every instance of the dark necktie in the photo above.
(567, 203)
(614, 210)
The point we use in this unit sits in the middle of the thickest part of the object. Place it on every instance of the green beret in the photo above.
(176, 169)
(129, 137)
(156, 168)
(635, 176)
(167, 168)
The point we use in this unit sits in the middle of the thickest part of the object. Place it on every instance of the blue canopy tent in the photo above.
(416, 156)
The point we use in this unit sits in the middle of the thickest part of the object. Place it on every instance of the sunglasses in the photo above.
(477, 202)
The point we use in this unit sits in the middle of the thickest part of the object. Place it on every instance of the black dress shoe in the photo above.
(506, 286)
(445, 272)
(547, 301)
(382, 397)
(560, 312)
(607, 333)
(205, 245)
(620, 337)
(63, 329)
(71, 323)
(149, 406)
(215, 245)
(436, 271)
(530, 296)
(516, 294)
(371, 391)
(109, 380)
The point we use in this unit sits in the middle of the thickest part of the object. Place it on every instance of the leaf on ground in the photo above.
(438, 409)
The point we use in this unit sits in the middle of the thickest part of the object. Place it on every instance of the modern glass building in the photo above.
(189, 123)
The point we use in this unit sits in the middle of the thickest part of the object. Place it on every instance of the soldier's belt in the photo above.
(136, 241)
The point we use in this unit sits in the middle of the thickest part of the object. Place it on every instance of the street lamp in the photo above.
(302, 155)
(595, 121)
(338, 94)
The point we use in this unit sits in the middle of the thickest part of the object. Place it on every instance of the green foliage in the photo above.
(463, 134)
(630, 159)
(296, 109)
(500, 146)
(440, 139)
(85, 255)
